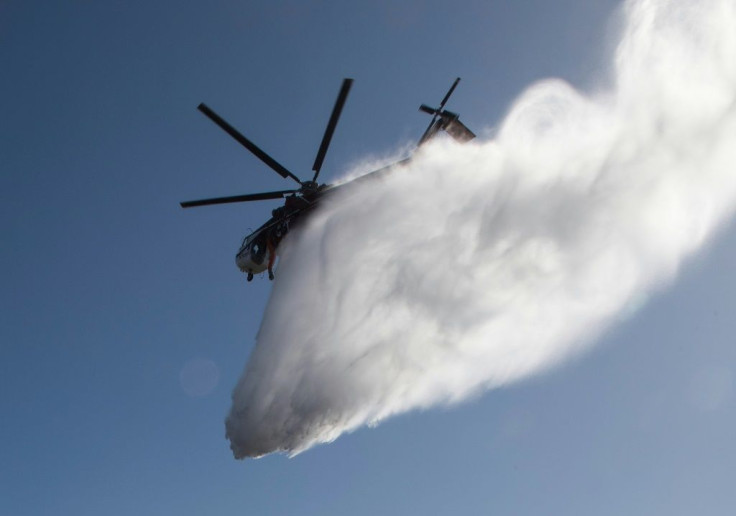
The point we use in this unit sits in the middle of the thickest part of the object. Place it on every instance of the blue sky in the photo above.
(109, 288)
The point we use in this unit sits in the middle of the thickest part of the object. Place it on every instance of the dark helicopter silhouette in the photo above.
(258, 250)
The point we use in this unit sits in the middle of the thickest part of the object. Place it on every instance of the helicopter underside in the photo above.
(252, 262)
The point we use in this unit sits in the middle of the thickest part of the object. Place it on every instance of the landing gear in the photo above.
(250, 276)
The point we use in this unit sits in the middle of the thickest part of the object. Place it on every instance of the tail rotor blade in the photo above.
(245, 142)
(447, 97)
(339, 103)
(435, 125)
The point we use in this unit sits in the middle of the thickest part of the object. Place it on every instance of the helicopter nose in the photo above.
(244, 261)
(241, 260)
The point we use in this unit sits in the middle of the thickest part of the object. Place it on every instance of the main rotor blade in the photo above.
(237, 198)
(339, 103)
(245, 142)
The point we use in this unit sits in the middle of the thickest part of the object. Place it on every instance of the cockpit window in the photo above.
(247, 240)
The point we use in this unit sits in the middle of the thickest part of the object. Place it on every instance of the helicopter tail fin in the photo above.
(447, 120)
(450, 123)
(459, 131)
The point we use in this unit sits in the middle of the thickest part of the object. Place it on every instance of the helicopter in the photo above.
(259, 249)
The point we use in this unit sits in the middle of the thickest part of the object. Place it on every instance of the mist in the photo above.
(479, 265)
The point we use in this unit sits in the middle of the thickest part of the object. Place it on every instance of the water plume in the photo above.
(478, 265)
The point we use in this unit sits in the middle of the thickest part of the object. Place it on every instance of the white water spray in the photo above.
(481, 264)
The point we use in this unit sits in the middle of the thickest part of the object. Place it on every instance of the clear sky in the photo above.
(114, 298)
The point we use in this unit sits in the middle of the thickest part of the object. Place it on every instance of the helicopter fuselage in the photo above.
(258, 251)
(253, 256)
